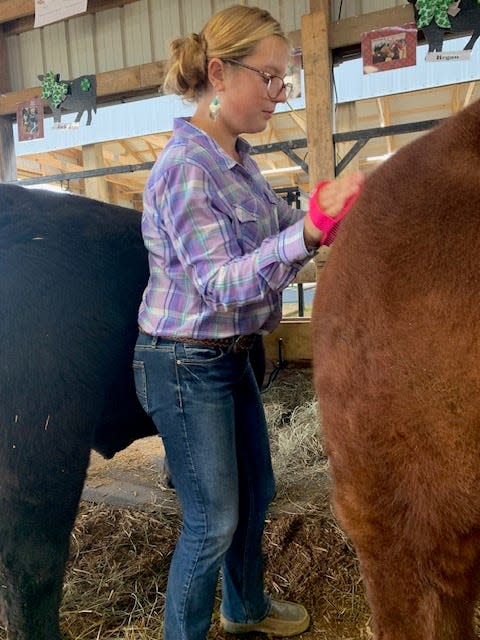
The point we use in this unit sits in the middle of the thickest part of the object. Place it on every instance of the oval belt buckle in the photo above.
(242, 343)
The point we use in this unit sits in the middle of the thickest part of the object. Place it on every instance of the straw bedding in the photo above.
(117, 573)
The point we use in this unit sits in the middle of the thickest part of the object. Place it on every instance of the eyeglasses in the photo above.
(275, 84)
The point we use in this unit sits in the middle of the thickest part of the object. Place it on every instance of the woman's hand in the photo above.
(329, 200)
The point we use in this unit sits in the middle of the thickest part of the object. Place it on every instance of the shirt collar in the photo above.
(183, 127)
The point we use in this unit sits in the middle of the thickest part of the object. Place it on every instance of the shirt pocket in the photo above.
(248, 226)
(256, 221)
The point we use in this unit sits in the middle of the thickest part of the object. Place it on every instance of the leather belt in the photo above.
(236, 343)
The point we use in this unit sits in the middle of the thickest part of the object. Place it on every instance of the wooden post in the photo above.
(96, 188)
(318, 92)
(8, 161)
(4, 83)
(317, 67)
(347, 121)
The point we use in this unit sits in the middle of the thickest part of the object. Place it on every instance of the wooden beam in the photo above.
(111, 85)
(4, 81)
(96, 187)
(45, 164)
(8, 170)
(348, 32)
(385, 119)
(346, 120)
(318, 96)
(12, 9)
(469, 94)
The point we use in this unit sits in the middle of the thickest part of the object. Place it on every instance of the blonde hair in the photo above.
(231, 33)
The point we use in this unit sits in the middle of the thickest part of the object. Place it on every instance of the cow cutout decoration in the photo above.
(396, 344)
(462, 17)
(78, 95)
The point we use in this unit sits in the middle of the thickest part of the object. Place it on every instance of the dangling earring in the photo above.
(214, 108)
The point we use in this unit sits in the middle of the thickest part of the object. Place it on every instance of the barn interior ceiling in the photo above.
(281, 170)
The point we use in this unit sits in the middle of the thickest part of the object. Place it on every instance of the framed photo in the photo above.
(389, 48)
(294, 73)
(30, 119)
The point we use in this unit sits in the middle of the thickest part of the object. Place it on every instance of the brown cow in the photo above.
(396, 334)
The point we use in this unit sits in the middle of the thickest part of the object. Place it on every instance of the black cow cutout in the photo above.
(466, 20)
(81, 96)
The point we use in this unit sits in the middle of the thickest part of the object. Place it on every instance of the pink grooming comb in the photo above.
(328, 224)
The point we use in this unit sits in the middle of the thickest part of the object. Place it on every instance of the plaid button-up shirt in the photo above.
(222, 244)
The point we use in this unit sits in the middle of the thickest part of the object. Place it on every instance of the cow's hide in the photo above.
(396, 339)
(72, 271)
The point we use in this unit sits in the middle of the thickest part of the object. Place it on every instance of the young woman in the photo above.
(222, 246)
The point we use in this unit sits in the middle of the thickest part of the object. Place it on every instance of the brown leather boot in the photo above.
(284, 619)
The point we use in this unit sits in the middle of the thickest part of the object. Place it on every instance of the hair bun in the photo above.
(199, 41)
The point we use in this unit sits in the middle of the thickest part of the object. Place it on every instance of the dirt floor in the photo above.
(132, 478)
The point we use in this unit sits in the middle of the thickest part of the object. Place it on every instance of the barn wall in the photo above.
(134, 34)
(138, 33)
(349, 8)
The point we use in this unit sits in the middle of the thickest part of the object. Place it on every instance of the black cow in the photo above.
(72, 271)
(466, 20)
(81, 96)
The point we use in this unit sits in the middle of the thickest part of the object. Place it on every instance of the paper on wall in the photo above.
(48, 11)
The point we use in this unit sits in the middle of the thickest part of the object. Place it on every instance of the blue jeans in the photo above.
(207, 408)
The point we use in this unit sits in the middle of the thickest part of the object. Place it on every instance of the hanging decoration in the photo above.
(53, 90)
(437, 10)
(294, 73)
(48, 11)
(78, 95)
(437, 17)
(389, 48)
(30, 120)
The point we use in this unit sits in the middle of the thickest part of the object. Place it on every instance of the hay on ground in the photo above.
(117, 573)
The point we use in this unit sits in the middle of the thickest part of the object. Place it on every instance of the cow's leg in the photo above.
(57, 114)
(417, 588)
(471, 43)
(409, 602)
(37, 518)
(434, 36)
(32, 584)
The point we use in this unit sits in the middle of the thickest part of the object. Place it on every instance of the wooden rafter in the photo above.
(385, 119)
